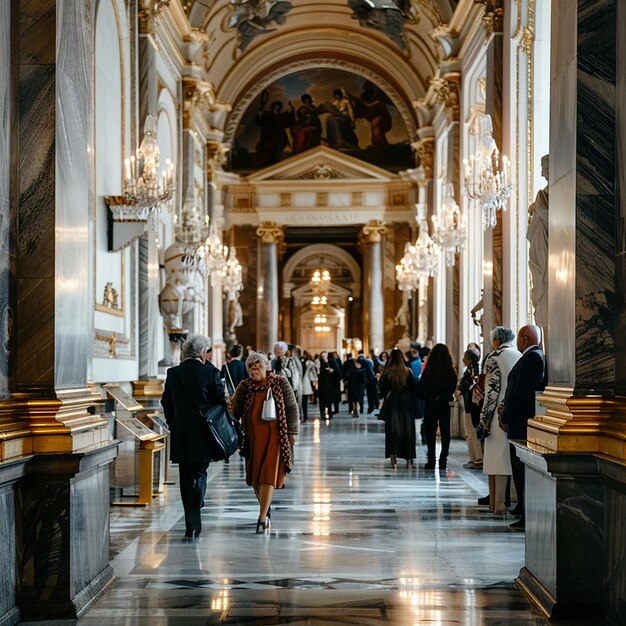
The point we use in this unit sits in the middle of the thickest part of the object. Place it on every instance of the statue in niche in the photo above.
(403, 315)
(537, 235)
(476, 318)
(253, 17)
(110, 297)
(387, 16)
(235, 315)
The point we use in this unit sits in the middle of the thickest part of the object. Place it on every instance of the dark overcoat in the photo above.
(399, 412)
(190, 386)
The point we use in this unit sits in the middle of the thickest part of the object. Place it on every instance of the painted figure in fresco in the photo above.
(274, 124)
(253, 17)
(340, 123)
(307, 128)
(537, 235)
(372, 106)
(384, 15)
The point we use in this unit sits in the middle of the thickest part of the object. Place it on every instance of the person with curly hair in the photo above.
(267, 443)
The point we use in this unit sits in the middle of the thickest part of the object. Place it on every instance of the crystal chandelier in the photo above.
(214, 253)
(144, 189)
(407, 275)
(450, 227)
(232, 280)
(192, 228)
(486, 178)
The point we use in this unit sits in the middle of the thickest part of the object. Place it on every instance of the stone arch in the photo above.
(322, 250)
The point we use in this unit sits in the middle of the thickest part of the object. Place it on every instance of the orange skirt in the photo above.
(264, 465)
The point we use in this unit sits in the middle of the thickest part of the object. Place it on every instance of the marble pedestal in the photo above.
(63, 511)
(575, 534)
(10, 474)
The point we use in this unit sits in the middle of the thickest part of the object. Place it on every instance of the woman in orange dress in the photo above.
(267, 444)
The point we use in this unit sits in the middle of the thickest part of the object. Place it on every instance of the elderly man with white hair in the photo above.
(193, 386)
(285, 365)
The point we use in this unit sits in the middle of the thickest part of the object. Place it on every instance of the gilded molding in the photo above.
(585, 424)
(493, 17)
(149, 388)
(57, 423)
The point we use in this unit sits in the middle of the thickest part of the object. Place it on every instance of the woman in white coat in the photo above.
(496, 459)
(309, 379)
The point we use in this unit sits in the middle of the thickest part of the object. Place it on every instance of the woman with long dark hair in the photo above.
(398, 387)
(436, 387)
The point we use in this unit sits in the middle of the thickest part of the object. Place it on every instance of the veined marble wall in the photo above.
(74, 192)
(5, 194)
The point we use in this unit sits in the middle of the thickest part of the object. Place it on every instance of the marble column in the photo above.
(575, 453)
(53, 171)
(150, 331)
(371, 238)
(271, 241)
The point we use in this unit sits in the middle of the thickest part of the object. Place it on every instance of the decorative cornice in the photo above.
(493, 17)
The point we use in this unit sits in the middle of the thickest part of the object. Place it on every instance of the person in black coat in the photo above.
(191, 388)
(436, 386)
(526, 377)
(236, 370)
(325, 385)
(398, 388)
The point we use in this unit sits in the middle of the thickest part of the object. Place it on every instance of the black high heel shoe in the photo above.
(260, 527)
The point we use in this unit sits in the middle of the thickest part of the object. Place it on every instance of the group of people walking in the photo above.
(418, 384)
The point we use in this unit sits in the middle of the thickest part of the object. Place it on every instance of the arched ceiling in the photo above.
(320, 33)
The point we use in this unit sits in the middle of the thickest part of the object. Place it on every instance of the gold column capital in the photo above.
(448, 91)
(270, 232)
(216, 158)
(149, 12)
(200, 95)
(425, 152)
(372, 232)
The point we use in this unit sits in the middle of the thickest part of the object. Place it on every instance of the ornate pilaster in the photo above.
(199, 100)
(217, 157)
(271, 242)
(370, 242)
(425, 153)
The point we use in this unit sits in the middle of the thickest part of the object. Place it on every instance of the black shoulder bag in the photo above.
(222, 430)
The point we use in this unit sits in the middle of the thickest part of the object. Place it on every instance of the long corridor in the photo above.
(353, 541)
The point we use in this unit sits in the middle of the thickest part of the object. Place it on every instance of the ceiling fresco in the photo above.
(323, 106)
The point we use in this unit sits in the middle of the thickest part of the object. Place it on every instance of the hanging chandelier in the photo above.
(214, 253)
(232, 280)
(487, 176)
(450, 227)
(420, 259)
(192, 227)
(144, 188)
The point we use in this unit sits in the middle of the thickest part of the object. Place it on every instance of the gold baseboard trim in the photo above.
(586, 424)
(55, 421)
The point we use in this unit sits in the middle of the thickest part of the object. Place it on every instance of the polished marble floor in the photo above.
(353, 541)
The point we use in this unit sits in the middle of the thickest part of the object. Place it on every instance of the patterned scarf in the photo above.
(273, 381)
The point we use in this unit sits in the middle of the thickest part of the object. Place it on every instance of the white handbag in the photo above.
(269, 407)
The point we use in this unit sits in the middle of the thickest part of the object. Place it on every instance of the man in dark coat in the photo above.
(192, 387)
(235, 370)
(525, 379)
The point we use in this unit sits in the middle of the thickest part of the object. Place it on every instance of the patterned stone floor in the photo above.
(353, 541)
